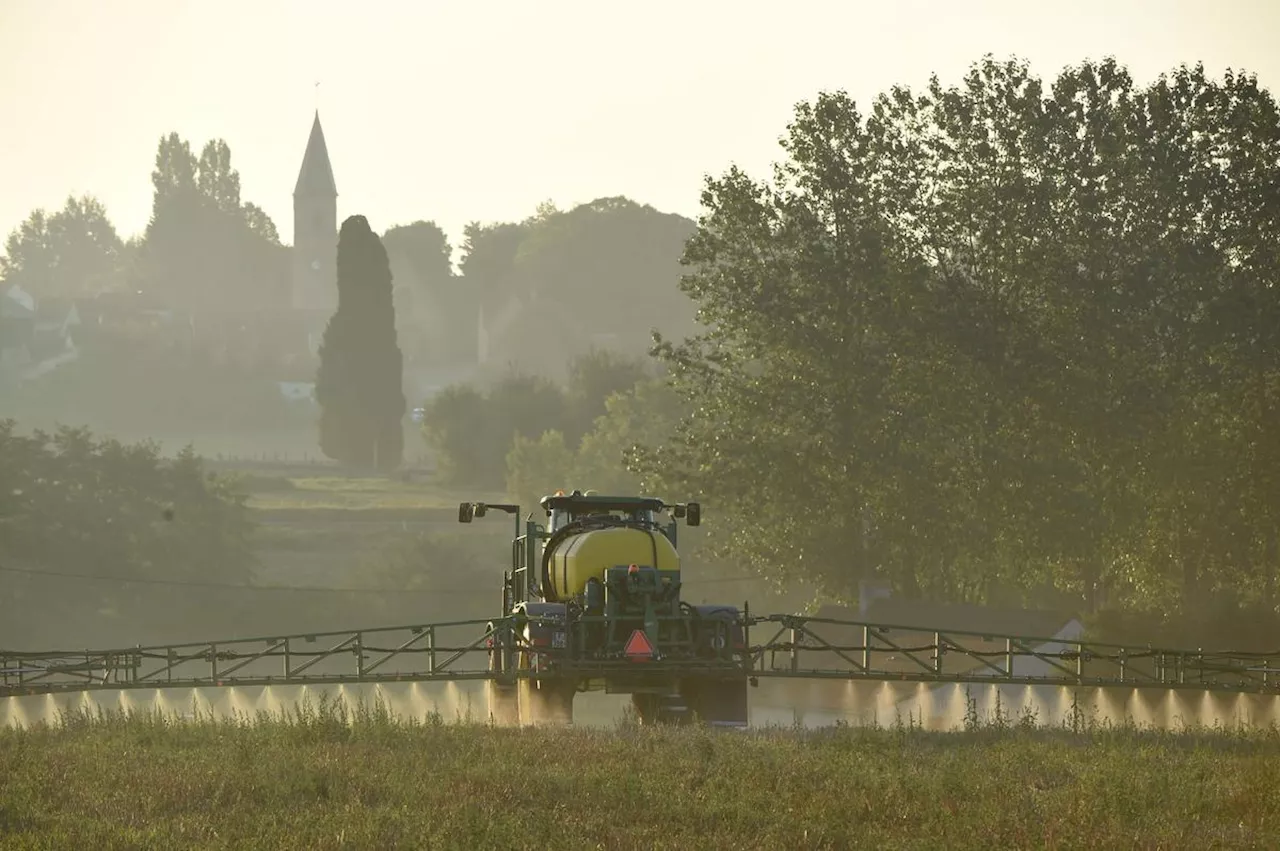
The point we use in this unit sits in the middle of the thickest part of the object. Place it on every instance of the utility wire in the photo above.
(195, 583)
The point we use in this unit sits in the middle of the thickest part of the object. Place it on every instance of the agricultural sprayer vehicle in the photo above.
(592, 603)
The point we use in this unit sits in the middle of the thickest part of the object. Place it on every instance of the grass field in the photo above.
(320, 783)
(355, 493)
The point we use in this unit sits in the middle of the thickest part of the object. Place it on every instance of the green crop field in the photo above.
(314, 781)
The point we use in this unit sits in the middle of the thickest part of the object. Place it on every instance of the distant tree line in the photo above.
(204, 251)
(76, 504)
(202, 247)
(539, 292)
(471, 429)
(554, 287)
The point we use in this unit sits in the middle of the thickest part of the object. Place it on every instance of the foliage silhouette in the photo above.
(102, 507)
(998, 335)
(358, 385)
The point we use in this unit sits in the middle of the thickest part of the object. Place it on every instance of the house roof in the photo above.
(316, 175)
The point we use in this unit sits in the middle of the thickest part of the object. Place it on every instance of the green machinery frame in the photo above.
(797, 647)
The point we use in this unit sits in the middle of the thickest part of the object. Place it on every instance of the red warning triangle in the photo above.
(638, 646)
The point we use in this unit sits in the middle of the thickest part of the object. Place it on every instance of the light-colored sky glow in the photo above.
(477, 109)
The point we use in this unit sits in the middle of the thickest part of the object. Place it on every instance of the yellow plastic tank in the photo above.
(588, 554)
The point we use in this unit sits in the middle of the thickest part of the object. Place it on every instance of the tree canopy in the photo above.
(204, 247)
(429, 301)
(72, 252)
(81, 505)
(643, 413)
(472, 430)
(999, 335)
(549, 287)
(423, 251)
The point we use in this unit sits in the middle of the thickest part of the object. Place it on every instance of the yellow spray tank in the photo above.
(586, 542)
(580, 556)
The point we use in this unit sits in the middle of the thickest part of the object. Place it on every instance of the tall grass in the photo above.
(320, 777)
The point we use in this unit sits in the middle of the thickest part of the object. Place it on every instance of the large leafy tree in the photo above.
(204, 247)
(359, 383)
(424, 251)
(578, 266)
(70, 253)
(550, 287)
(489, 255)
(644, 413)
(471, 431)
(429, 303)
(994, 334)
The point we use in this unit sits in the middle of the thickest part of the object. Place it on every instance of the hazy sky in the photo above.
(465, 110)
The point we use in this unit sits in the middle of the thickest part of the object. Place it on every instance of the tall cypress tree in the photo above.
(358, 385)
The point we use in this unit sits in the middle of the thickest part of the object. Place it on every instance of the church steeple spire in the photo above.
(315, 230)
(315, 178)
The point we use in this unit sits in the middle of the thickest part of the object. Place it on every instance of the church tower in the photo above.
(315, 231)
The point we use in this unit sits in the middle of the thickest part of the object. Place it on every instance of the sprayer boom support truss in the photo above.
(796, 646)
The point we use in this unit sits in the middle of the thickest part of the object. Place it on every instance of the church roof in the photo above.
(316, 175)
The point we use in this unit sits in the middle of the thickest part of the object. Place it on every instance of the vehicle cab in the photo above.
(564, 509)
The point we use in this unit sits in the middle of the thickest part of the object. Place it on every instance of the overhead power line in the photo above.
(196, 583)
